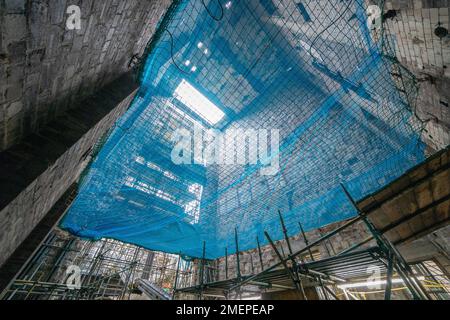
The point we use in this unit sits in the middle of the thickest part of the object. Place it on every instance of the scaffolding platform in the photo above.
(333, 270)
(353, 265)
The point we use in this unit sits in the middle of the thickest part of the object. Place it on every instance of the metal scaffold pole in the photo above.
(390, 267)
(295, 266)
(324, 289)
(226, 263)
(414, 285)
(238, 264)
(176, 277)
(260, 254)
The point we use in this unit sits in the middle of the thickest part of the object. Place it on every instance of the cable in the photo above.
(209, 12)
(171, 53)
(339, 16)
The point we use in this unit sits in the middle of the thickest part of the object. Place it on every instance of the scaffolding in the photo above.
(110, 269)
(333, 88)
(333, 276)
(65, 267)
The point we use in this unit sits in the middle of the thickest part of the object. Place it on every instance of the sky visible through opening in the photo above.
(198, 103)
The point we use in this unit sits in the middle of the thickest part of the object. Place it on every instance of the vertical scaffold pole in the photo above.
(387, 292)
(305, 239)
(238, 266)
(202, 269)
(226, 263)
(251, 262)
(294, 263)
(416, 288)
(176, 277)
(286, 267)
(283, 226)
(260, 254)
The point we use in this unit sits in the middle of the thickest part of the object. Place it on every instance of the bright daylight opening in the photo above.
(198, 103)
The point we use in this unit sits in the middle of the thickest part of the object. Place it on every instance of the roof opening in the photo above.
(198, 103)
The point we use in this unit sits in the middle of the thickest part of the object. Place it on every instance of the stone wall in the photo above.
(428, 57)
(434, 246)
(46, 68)
(21, 255)
(36, 173)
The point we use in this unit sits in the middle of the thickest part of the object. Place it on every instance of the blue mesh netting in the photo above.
(311, 69)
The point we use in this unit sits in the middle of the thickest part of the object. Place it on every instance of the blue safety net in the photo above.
(320, 75)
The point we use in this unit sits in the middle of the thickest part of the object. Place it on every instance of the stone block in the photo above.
(14, 108)
(15, 6)
(14, 74)
(58, 12)
(13, 91)
(39, 15)
(17, 51)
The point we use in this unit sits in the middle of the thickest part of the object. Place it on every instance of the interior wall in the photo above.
(428, 57)
(60, 91)
(45, 68)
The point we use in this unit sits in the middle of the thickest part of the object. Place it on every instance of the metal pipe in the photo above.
(407, 282)
(286, 267)
(312, 244)
(324, 289)
(283, 226)
(330, 292)
(176, 277)
(306, 241)
(260, 254)
(238, 267)
(387, 292)
(388, 247)
(202, 266)
(294, 263)
(271, 285)
(130, 273)
(226, 263)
